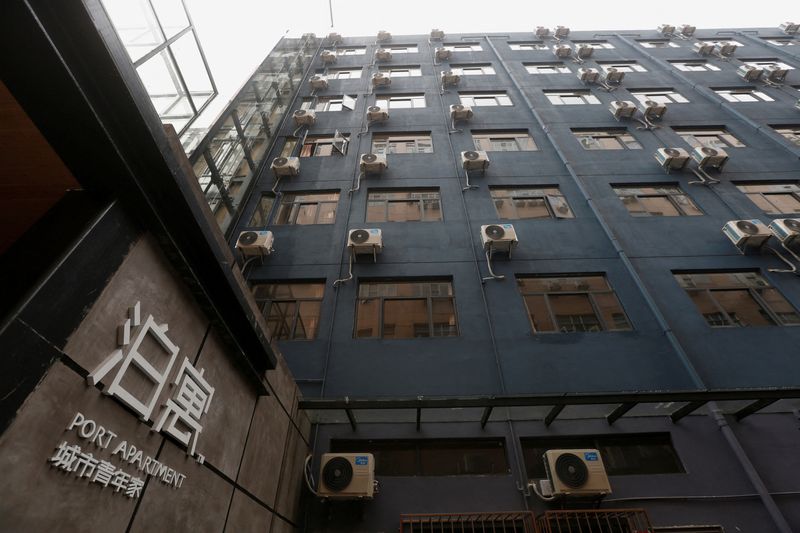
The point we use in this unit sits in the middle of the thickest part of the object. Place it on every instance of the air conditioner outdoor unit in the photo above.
(328, 57)
(653, 110)
(285, 166)
(437, 35)
(379, 79)
(709, 157)
(790, 28)
(384, 36)
(561, 32)
(373, 163)
(318, 81)
(749, 72)
(703, 49)
(725, 49)
(442, 53)
(584, 51)
(687, 30)
(614, 75)
(304, 117)
(382, 54)
(588, 75)
(542, 32)
(666, 29)
(460, 112)
(775, 73)
(499, 237)
(576, 473)
(376, 113)
(334, 37)
(786, 230)
(562, 50)
(622, 109)
(672, 158)
(449, 78)
(747, 233)
(474, 160)
(365, 241)
(347, 476)
(255, 243)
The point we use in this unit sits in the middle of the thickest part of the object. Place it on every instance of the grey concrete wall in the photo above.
(253, 445)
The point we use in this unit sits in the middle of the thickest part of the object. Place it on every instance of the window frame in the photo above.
(626, 66)
(354, 73)
(523, 140)
(402, 48)
(585, 95)
(664, 96)
(419, 138)
(524, 46)
(382, 299)
(498, 97)
(729, 95)
(764, 195)
(346, 101)
(589, 295)
(790, 132)
(752, 292)
(473, 69)
(463, 47)
(694, 65)
(265, 306)
(558, 67)
(293, 214)
(547, 193)
(695, 135)
(350, 51)
(651, 43)
(422, 201)
(394, 71)
(670, 196)
(414, 100)
(616, 133)
(318, 141)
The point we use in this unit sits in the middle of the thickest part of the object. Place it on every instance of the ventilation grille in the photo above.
(606, 521)
(509, 522)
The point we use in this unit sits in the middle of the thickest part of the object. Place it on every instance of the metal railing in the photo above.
(595, 521)
(501, 522)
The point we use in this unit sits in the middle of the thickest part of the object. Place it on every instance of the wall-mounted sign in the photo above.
(180, 417)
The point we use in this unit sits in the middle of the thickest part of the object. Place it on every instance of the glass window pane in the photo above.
(368, 317)
(444, 317)
(784, 203)
(539, 314)
(574, 313)
(405, 319)
(531, 208)
(404, 211)
(376, 211)
(777, 304)
(261, 214)
(193, 69)
(742, 308)
(307, 320)
(611, 311)
(659, 206)
(306, 214)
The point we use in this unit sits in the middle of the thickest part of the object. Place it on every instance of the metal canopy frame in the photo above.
(625, 401)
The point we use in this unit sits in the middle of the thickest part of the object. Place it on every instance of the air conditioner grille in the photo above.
(359, 236)
(337, 474)
(571, 470)
(280, 161)
(248, 237)
(471, 155)
(792, 224)
(747, 227)
(373, 109)
(672, 152)
(495, 232)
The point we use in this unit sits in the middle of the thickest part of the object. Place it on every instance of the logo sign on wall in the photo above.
(140, 374)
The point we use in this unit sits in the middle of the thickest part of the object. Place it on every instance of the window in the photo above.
(709, 136)
(409, 205)
(790, 132)
(656, 201)
(534, 45)
(344, 73)
(778, 41)
(405, 310)
(662, 96)
(636, 453)
(304, 208)
(402, 143)
(351, 51)
(767, 63)
(329, 103)
(567, 304)
(260, 216)
(503, 141)
(485, 99)
(547, 68)
(623, 66)
(291, 308)
(743, 94)
(694, 66)
(516, 203)
(571, 97)
(608, 139)
(774, 198)
(463, 47)
(401, 101)
(737, 299)
(597, 45)
(402, 71)
(659, 44)
(431, 457)
(402, 48)
(475, 69)
(724, 41)
(322, 145)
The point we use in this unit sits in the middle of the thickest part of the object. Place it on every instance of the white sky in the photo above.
(237, 34)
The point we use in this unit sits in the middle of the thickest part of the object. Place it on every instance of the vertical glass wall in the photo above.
(163, 45)
(227, 155)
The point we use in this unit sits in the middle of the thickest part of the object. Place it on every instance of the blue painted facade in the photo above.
(496, 351)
